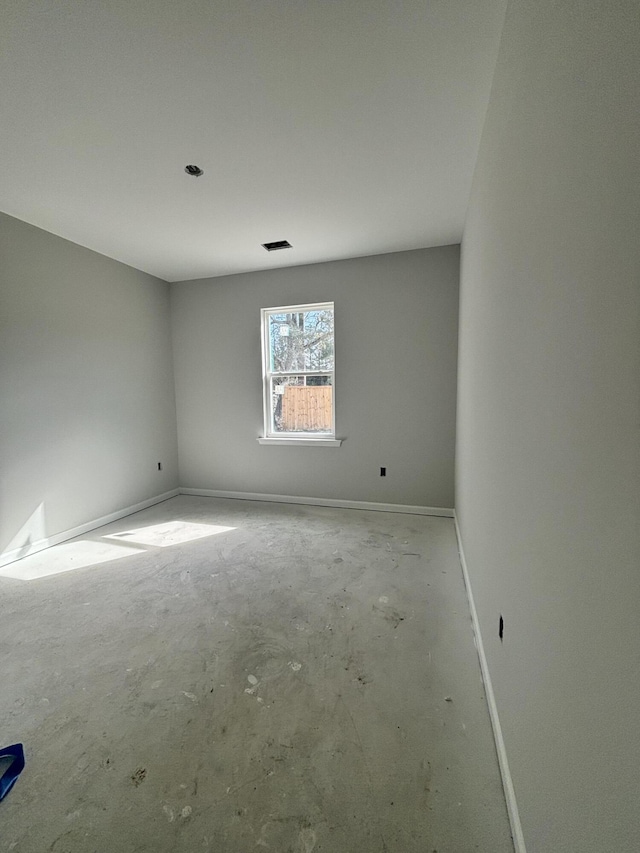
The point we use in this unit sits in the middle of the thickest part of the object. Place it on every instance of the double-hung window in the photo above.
(298, 365)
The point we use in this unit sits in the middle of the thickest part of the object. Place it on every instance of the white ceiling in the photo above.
(348, 127)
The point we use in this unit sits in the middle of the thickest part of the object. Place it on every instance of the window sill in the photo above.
(300, 442)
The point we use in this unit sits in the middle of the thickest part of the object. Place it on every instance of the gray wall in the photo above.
(548, 458)
(87, 404)
(396, 350)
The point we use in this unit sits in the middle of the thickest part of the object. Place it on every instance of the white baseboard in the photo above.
(40, 544)
(294, 499)
(507, 781)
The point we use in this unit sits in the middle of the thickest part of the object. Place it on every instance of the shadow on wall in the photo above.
(103, 549)
(32, 536)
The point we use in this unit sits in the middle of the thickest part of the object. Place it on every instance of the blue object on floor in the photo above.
(8, 778)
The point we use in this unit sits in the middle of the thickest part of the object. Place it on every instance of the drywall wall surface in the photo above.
(86, 386)
(548, 448)
(396, 351)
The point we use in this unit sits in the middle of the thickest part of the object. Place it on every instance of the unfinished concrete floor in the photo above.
(305, 680)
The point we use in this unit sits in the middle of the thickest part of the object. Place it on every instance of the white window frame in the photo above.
(269, 436)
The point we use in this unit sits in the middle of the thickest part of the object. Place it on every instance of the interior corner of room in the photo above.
(487, 385)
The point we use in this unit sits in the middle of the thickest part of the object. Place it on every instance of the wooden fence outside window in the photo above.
(307, 408)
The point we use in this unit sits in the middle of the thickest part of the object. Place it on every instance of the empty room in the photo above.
(320, 426)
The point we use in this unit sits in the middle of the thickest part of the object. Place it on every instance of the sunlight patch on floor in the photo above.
(169, 533)
(82, 553)
(66, 558)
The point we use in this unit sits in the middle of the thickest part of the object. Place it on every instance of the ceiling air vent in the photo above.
(277, 244)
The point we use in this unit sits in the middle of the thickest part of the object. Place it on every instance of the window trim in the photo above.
(301, 442)
(269, 436)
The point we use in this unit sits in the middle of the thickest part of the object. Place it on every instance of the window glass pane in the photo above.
(302, 404)
(302, 340)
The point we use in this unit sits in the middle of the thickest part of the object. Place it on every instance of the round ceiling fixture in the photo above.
(194, 171)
